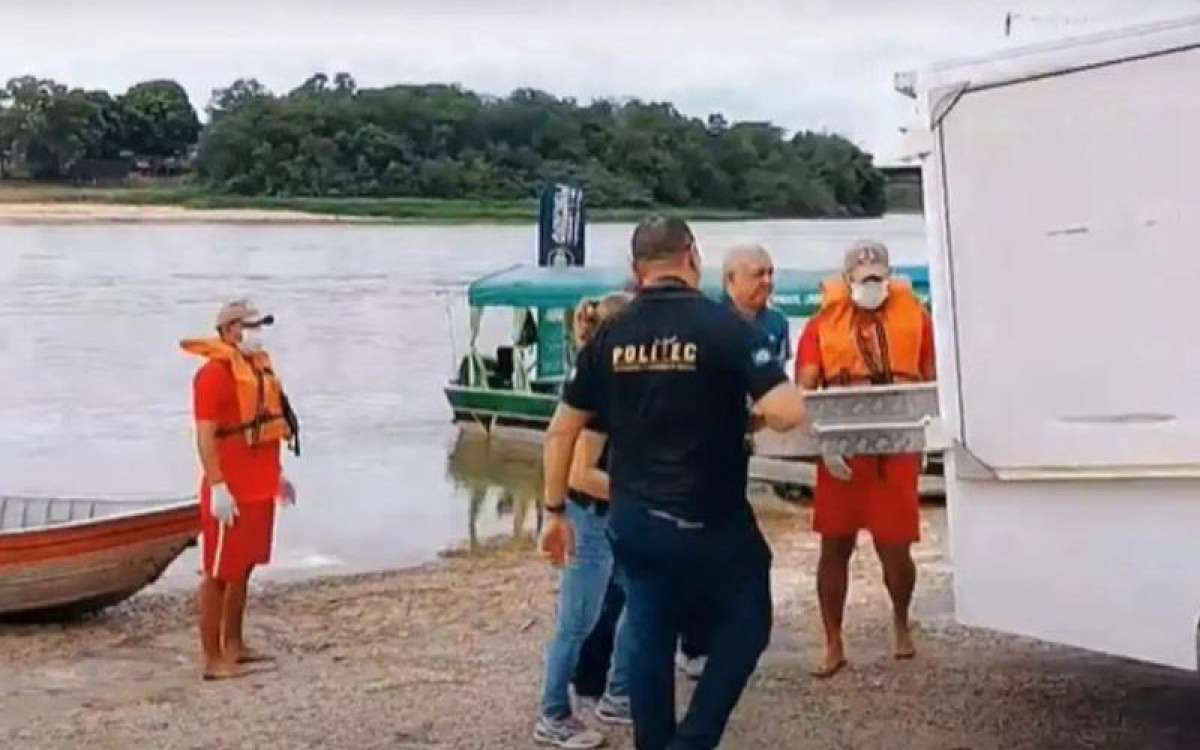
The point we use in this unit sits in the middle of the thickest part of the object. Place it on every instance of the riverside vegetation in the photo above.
(407, 151)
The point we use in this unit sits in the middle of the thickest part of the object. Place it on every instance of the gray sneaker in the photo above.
(693, 667)
(613, 710)
(570, 733)
(585, 705)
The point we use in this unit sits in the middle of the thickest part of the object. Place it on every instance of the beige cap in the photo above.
(870, 253)
(241, 310)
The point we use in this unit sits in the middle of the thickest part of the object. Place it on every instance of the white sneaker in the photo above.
(613, 710)
(570, 733)
(691, 667)
(585, 705)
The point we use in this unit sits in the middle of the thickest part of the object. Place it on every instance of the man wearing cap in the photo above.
(242, 416)
(871, 330)
(670, 378)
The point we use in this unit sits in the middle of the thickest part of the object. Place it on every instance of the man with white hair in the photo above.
(748, 276)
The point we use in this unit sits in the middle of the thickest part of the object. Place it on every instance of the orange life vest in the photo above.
(261, 402)
(870, 346)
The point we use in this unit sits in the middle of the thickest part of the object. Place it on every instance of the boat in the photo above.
(63, 557)
(512, 393)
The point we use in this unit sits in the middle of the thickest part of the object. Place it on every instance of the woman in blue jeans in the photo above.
(585, 581)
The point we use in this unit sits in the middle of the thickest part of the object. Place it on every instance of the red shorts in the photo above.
(231, 551)
(881, 497)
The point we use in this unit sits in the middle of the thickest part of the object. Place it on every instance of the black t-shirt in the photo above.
(669, 378)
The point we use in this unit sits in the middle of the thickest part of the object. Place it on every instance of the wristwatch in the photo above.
(556, 509)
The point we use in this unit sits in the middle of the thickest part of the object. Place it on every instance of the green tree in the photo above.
(45, 127)
(161, 120)
(106, 136)
(240, 93)
(333, 138)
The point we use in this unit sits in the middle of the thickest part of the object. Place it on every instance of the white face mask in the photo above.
(869, 295)
(252, 340)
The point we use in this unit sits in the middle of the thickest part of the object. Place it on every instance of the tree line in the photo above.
(47, 128)
(328, 138)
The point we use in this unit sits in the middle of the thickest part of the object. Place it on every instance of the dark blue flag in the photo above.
(560, 226)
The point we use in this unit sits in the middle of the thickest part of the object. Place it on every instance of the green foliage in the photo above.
(241, 92)
(327, 138)
(46, 128)
(330, 138)
(161, 121)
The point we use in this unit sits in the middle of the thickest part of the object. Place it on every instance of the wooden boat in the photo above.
(513, 394)
(64, 557)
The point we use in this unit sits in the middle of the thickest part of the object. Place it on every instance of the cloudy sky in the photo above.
(804, 64)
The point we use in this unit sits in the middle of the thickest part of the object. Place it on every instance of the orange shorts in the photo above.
(881, 497)
(231, 551)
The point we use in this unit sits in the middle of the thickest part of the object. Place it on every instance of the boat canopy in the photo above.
(797, 293)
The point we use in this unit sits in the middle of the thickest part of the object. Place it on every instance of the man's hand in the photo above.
(557, 542)
(287, 492)
(838, 466)
(782, 408)
(224, 509)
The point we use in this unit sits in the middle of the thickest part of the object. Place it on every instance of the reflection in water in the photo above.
(504, 476)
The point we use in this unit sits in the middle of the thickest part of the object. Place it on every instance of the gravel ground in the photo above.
(448, 656)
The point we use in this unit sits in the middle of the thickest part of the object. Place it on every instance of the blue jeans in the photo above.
(595, 658)
(582, 587)
(670, 572)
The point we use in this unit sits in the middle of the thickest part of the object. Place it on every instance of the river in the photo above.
(95, 392)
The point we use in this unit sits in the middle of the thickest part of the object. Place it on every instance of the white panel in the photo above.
(1116, 574)
(1075, 249)
(1072, 53)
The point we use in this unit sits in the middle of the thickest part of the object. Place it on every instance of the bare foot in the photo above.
(903, 645)
(251, 656)
(835, 661)
(223, 670)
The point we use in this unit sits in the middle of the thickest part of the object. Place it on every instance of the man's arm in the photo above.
(561, 435)
(586, 475)
(928, 359)
(209, 390)
(782, 407)
(206, 446)
(808, 377)
(808, 358)
(776, 400)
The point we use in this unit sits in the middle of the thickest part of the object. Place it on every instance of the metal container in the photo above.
(862, 420)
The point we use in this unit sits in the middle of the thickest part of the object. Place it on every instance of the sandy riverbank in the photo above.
(448, 656)
(106, 213)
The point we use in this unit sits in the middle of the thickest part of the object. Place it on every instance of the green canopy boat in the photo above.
(513, 391)
(797, 293)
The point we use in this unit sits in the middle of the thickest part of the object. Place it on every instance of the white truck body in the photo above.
(1062, 193)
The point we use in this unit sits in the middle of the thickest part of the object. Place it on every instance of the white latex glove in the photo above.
(838, 467)
(224, 509)
(287, 492)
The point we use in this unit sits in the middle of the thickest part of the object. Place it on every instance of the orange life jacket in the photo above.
(870, 346)
(265, 415)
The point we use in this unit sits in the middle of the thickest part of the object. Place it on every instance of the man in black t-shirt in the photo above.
(670, 378)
